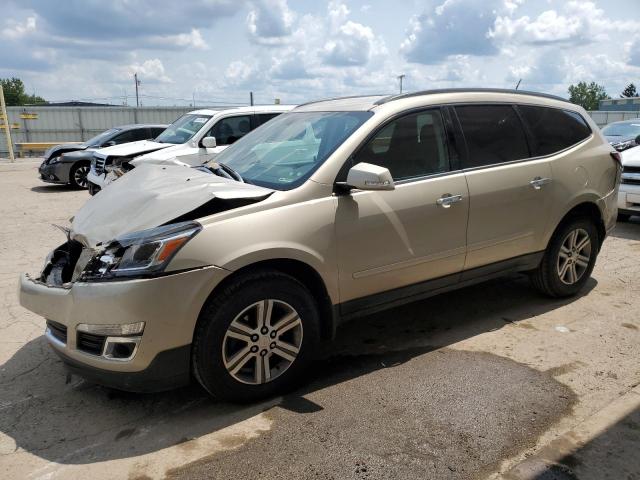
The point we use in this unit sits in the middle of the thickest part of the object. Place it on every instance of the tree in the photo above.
(588, 96)
(629, 91)
(14, 93)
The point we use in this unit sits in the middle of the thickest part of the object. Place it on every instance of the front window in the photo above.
(102, 137)
(284, 153)
(183, 129)
(622, 129)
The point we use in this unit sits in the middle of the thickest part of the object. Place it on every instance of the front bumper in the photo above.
(97, 179)
(629, 199)
(55, 173)
(169, 306)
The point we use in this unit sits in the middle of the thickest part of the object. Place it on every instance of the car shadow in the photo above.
(629, 230)
(66, 420)
(53, 188)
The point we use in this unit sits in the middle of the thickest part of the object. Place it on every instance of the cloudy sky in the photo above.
(297, 50)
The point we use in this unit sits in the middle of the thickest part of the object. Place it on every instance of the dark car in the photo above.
(69, 163)
(623, 135)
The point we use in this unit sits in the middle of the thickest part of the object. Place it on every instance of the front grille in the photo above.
(58, 331)
(90, 343)
(99, 166)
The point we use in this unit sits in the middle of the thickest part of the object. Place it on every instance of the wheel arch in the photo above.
(301, 271)
(586, 208)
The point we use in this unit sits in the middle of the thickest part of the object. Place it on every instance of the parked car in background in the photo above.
(623, 135)
(629, 193)
(187, 141)
(234, 273)
(69, 163)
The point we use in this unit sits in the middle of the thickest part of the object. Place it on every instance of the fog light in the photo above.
(120, 348)
(127, 329)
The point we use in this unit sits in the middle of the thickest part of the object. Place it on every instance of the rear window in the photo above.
(553, 129)
(493, 134)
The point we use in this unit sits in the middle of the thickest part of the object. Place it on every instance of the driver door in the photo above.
(387, 240)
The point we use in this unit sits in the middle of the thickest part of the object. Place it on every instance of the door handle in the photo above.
(446, 200)
(538, 182)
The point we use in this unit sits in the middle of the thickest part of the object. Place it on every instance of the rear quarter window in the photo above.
(553, 129)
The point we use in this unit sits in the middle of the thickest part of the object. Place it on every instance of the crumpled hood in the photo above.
(64, 147)
(150, 196)
(619, 138)
(133, 148)
(183, 154)
(631, 157)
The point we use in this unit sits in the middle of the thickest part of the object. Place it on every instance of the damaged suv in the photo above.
(235, 272)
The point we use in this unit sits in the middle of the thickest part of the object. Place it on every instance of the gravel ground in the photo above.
(482, 382)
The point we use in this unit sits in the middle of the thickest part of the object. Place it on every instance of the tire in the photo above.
(216, 346)
(547, 277)
(78, 175)
(623, 217)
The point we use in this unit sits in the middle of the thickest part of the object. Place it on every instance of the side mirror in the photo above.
(110, 143)
(638, 140)
(208, 142)
(365, 176)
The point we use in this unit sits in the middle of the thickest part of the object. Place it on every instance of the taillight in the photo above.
(617, 157)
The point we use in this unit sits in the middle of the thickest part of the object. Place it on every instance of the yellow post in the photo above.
(7, 127)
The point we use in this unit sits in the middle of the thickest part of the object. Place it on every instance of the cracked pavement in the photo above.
(490, 381)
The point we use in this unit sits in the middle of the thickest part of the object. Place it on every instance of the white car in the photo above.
(187, 141)
(629, 193)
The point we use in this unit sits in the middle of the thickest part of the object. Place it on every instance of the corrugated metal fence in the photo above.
(74, 124)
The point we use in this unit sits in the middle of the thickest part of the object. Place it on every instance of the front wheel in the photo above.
(78, 175)
(255, 338)
(569, 259)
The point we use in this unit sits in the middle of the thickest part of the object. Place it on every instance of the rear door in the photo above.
(510, 192)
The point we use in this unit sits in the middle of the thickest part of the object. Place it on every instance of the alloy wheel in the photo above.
(80, 176)
(574, 256)
(262, 342)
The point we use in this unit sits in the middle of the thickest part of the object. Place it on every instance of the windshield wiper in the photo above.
(225, 170)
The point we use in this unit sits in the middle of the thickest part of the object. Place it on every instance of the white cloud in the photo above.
(578, 23)
(456, 27)
(269, 21)
(15, 29)
(149, 71)
(352, 44)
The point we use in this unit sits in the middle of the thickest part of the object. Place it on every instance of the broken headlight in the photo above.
(140, 253)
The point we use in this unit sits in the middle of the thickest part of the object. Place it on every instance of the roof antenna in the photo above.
(518, 84)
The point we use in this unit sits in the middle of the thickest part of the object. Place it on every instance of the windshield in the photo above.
(622, 129)
(183, 129)
(101, 137)
(284, 152)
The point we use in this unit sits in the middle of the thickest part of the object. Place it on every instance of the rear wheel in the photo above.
(255, 338)
(78, 175)
(569, 259)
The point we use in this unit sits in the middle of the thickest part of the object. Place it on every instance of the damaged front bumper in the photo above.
(167, 305)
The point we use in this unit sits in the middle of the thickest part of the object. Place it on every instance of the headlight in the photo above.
(141, 253)
(55, 159)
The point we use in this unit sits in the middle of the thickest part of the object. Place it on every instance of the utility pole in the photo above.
(193, 95)
(135, 78)
(7, 128)
(251, 98)
(401, 77)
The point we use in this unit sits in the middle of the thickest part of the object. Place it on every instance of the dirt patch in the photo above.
(430, 414)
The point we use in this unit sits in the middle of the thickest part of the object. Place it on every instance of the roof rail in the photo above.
(391, 98)
(342, 98)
